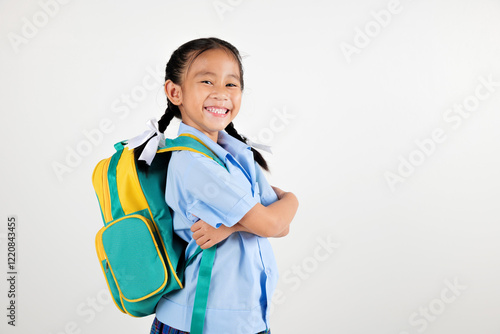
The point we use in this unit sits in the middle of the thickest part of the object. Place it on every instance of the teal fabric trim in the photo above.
(202, 288)
(194, 144)
(120, 145)
(196, 252)
(116, 206)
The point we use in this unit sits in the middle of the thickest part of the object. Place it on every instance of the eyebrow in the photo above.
(199, 74)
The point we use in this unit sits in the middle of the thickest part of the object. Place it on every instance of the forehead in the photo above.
(215, 61)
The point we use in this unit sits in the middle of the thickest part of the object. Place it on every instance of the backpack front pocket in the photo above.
(129, 252)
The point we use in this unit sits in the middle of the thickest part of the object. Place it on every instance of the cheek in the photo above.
(237, 99)
(195, 97)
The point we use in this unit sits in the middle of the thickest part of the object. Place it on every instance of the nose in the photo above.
(219, 93)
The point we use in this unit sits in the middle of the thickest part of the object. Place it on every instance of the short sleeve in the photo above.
(267, 194)
(208, 191)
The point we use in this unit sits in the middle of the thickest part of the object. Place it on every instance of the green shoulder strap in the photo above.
(202, 288)
(188, 142)
(191, 143)
(116, 207)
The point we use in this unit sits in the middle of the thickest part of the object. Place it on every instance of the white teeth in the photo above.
(220, 111)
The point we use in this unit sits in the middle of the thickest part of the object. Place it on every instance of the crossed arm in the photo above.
(265, 221)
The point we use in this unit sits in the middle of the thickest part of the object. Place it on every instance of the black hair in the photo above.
(179, 62)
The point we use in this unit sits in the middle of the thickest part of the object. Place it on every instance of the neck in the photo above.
(213, 136)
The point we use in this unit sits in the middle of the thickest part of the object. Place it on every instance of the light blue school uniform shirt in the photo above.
(245, 273)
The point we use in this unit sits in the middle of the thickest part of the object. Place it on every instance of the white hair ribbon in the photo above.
(153, 144)
(259, 146)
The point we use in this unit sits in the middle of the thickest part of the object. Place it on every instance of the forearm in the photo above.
(240, 228)
(273, 220)
(284, 210)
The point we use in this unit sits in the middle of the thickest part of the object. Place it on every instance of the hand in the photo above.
(280, 193)
(274, 219)
(206, 236)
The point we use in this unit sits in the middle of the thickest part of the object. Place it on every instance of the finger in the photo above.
(198, 234)
(277, 190)
(196, 226)
(200, 223)
(202, 240)
(207, 244)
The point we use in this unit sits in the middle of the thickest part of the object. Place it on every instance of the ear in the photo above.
(174, 92)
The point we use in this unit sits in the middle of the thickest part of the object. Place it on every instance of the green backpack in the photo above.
(141, 257)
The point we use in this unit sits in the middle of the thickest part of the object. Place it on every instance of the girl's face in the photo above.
(210, 93)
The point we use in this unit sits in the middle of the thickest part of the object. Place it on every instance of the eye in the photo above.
(231, 85)
(208, 82)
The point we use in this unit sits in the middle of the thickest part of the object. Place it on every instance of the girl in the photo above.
(233, 207)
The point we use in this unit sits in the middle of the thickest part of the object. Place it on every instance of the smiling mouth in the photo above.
(217, 111)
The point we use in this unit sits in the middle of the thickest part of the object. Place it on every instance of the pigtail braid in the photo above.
(163, 123)
(256, 154)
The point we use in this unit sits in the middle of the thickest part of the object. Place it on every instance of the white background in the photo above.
(351, 118)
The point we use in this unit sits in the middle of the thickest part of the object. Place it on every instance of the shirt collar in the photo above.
(232, 145)
(227, 149)
(241, 153)
(226, 144)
